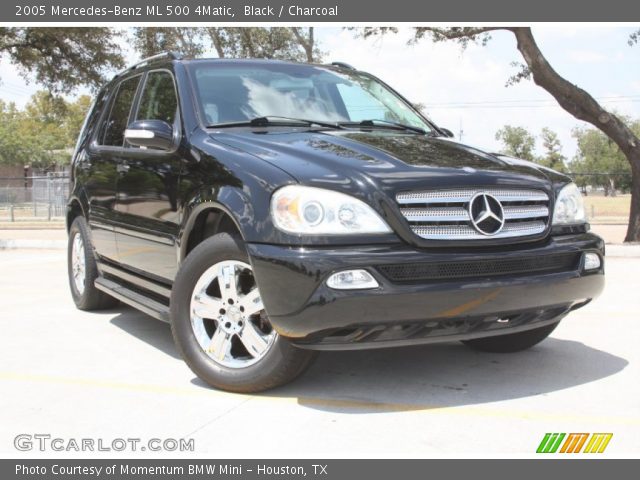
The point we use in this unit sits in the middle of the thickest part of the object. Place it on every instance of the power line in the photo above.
(479, 107)
(538, 100)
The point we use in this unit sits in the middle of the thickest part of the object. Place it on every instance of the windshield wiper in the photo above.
(372, 123)
(271, 120)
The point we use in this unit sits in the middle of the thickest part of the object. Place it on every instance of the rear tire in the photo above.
(219, 324)
(512, 342)
(83, 271)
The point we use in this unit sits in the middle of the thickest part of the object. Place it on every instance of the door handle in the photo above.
(122, 168)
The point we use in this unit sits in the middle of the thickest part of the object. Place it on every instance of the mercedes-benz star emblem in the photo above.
(486, 214)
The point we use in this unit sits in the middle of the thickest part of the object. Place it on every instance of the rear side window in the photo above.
(159, 101)
(119, 116)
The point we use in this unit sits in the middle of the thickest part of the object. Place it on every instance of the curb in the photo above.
(10, 244)
(625, 251)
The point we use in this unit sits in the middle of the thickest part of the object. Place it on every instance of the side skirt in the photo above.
(135, 299)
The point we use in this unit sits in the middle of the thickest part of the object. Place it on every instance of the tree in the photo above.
(56, 122)
(552, 156)
(62, 58)
(573, 99)
(16, 148)
(598, 154)
(281, 43)
(307, 41)
(150, 41)
(76, 113)
(517, 142)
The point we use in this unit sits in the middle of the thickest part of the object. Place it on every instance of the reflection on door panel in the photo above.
(102, 161)
(146, 205)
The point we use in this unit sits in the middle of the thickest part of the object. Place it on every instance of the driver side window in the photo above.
(159, 100)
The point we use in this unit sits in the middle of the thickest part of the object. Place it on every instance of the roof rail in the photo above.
(151, 59)
(155, 58)
(342, 65)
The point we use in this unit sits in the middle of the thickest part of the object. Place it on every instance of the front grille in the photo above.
(444, 215)
(424, 272)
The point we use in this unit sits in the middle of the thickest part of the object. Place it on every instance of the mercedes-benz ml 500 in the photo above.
(268, 210)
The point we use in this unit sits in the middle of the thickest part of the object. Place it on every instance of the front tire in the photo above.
(512, 342)
(220, 326)
(83, 270)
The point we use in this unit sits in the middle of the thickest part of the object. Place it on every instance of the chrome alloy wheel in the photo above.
(78, 267)
(228, 317)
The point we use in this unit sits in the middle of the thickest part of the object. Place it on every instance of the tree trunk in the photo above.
(633, 231)
(583, 106)
(306, 42)
(612, 186)
(214, 34)
(247, 43)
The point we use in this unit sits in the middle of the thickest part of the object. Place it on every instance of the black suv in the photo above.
(269, 209)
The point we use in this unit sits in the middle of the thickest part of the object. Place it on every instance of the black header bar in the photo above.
(299, 11)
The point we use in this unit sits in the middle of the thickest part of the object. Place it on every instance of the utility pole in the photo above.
(460, 132)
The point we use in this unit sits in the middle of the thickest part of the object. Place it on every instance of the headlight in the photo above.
(316, 211)
(569, 206)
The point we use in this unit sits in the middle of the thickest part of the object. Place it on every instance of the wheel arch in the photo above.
(74, 209)
(205, 220)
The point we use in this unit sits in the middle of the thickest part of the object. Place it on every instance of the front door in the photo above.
(147, 189)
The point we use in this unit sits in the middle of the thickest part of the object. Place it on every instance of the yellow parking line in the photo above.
(346, 404)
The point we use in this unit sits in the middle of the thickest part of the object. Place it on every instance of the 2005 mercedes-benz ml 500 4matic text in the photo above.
(269, 210)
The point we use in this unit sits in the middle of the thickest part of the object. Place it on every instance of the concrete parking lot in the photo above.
(116, 373)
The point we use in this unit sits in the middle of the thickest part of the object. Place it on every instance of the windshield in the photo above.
(230, 93)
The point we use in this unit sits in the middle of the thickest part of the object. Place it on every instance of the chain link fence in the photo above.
(33, 198)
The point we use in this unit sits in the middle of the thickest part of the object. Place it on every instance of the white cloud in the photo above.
(587, 56)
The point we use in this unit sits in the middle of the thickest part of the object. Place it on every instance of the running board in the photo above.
(135, 299)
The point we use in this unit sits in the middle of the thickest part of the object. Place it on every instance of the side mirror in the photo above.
(156, 134)
(447, 132)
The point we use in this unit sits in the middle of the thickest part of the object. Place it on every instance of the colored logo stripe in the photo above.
(550, 443)
(598, 442)
(574, 443)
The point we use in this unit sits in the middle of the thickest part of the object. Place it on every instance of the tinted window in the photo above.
(235, 93)
(361, 105)
(158, 100)
(119, 116)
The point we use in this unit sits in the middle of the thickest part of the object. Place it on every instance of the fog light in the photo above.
(591, 261)
(352, 280)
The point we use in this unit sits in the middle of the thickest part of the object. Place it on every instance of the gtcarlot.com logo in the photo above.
(43, 442)
(574, 443)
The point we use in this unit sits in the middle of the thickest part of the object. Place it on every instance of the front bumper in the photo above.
(463, 303)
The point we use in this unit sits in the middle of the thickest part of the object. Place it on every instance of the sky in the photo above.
(465, 89)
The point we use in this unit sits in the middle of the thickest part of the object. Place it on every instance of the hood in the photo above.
(392, 160)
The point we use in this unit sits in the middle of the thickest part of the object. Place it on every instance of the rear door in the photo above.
(100, 164)
(147, 199)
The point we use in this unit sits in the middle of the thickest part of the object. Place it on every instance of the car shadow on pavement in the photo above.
(445, 375)
(146, 328)
(419, 377)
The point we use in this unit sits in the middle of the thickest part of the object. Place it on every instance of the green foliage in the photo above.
(43, 133)
(520, 143)
(62, 58)
(517, 142)
(233, 42)
(150, 41)
(599, 154)
(552, 151)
